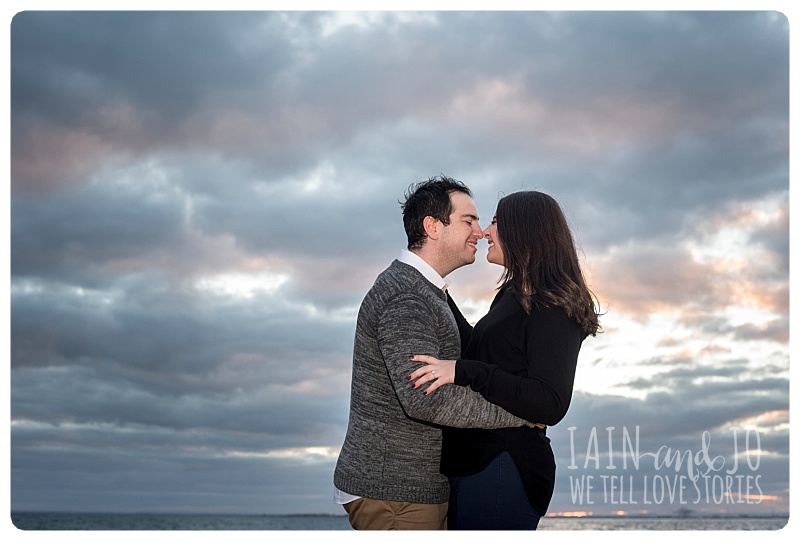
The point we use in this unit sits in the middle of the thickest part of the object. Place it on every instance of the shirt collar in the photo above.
(410, 258)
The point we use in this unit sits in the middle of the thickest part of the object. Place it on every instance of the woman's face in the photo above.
(495, 254)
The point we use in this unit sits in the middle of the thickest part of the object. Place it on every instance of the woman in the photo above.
(522, 356)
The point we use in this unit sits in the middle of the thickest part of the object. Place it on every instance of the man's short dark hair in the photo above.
(428, 198)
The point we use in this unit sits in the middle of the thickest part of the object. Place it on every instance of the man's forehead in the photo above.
(463, 205)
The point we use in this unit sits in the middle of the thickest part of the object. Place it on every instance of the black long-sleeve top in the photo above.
(524, 363)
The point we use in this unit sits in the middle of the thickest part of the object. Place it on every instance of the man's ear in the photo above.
(433, 227)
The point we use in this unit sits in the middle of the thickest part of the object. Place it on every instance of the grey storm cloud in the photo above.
(158, 62)
(199, 201)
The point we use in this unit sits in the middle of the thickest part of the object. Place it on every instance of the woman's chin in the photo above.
(491, 259)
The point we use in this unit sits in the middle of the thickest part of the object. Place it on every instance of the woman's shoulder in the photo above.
(503, 293)
(553, 317)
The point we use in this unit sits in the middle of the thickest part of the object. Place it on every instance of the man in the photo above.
(387, 475)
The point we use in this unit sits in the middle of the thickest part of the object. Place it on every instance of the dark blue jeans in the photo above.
(493, 499)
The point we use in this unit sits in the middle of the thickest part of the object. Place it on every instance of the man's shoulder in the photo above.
(400, 279)
(399, 275)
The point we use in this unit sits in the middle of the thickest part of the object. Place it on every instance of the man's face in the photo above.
(460, 238)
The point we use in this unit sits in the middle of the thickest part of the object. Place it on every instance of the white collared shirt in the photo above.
(409, 258)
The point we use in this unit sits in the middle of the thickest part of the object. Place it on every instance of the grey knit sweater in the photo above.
(393, 443)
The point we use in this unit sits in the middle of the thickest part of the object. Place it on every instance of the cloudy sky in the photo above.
(199, 201)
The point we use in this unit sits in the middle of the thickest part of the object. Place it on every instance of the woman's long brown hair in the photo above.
(541, 263)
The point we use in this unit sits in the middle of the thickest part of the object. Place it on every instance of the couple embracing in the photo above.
(448, 423)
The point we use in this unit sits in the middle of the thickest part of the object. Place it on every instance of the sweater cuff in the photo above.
(473, 374)
(459, 377)
(464, 367)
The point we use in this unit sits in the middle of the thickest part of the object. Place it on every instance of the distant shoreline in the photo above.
(95, 520)
(340, 515)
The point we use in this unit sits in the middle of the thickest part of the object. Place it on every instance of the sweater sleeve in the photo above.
(406, 327)
(544, 392)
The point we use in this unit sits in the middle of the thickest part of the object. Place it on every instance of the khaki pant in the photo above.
(367, 514)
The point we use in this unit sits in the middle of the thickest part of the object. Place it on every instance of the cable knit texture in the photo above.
(393, 442)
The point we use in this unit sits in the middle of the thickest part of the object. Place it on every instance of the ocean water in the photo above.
(109, 521)
(664, 523)
(157, 521)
